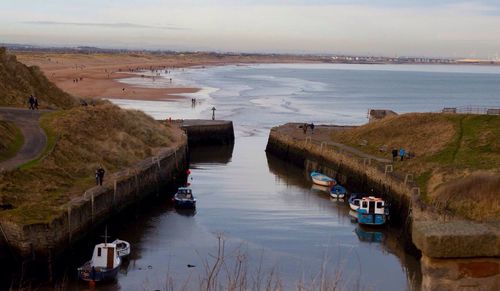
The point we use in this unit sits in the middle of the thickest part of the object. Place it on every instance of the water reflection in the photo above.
(213, 154)
(368, 235)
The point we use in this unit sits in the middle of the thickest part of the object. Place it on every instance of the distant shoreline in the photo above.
(97, 75)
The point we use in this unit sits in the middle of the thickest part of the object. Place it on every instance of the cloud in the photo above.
(108, 25)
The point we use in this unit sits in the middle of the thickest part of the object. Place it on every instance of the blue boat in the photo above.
(372, 211)
(184, 198)
(338, 191)
(322, 179)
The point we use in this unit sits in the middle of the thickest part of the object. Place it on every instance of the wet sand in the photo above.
(98, 75)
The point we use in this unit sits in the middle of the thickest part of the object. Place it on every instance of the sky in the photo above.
(439, 28)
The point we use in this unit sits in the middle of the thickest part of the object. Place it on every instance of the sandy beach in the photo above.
(97, 75)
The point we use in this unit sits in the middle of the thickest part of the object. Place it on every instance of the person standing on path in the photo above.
(394, 154)
(402, 153)
(31, 102)
(36, 102)
(99, 176)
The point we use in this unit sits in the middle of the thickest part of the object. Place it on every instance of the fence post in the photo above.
(388, 169)
(408, 178)
(323, 145)
(92, 202)
(69, 224)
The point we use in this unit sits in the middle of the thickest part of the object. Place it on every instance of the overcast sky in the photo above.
(374, 27)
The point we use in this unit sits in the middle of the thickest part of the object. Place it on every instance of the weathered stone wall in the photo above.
(97, 204)
(208, 131)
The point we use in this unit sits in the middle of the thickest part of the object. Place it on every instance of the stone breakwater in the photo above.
(83, 214)
(201, 132)
(455, 254)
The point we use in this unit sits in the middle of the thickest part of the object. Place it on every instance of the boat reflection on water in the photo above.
(189, 212)
(319, 188)
(368, 235)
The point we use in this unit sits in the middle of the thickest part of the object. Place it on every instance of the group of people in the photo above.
(33, 102)
(306, 125)
(395, 153)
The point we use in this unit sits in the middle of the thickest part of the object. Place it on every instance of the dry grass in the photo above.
(84, 138)
(421, 133)
(474, 196)
(17, 82)
(448, 149)
(11, 140)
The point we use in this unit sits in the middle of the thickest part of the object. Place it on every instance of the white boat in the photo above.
(104, 264)
(322, 179)
(122, 247)
(355, 200)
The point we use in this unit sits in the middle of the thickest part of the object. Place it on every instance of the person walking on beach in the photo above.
(402, 153)
(31, 102)
(394, 154)
(99, 176)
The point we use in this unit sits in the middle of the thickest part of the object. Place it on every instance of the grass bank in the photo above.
(457, 157)
(80, 140)
(11, 140)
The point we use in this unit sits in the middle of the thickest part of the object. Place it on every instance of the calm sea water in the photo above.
(265, 208)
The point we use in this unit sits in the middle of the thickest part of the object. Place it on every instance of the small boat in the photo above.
(355, 200)
(122, 248)
(104, 264)
(184, 198)
(338, 191)
(372, 211)
(322, 180)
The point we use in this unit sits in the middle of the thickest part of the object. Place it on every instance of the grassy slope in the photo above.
(450, 150)
(17, 82)
(86, 137)
(11, 140)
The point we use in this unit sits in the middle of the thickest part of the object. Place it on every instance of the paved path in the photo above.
(322, 133)
(34, 136)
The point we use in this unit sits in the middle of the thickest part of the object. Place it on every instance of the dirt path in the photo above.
(322, 133)
(34, 136)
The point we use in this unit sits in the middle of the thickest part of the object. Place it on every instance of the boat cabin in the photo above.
(372, 205)
(185, 193)
(105, 256)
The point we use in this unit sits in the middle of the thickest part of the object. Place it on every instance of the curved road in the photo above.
(34, 136)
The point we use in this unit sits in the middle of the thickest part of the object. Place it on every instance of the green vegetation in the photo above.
(18, 82)
(450, 150)
(11, 140)
(86, 138)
